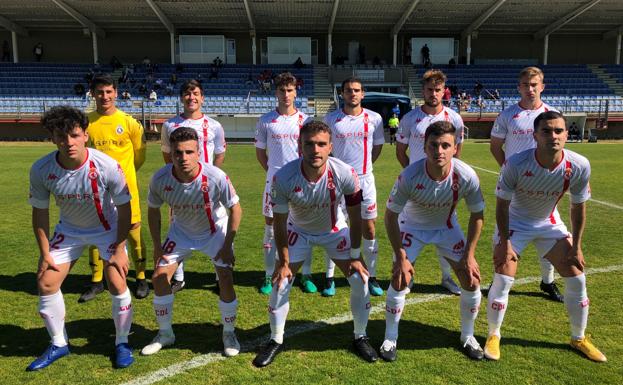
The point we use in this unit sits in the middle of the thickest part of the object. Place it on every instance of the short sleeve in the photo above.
(499, 129)
(137, 134)
(219, 140)
(507, 181)
(278, 196)
(39, 195)
(117, 186)
(350, 182)
(460, 130)
(402, 133)
(378, 135)
(154, 199)
(165, 144)
(473, 195)
(580, 190)
(227, 196)
(399, 195)
(260, 134)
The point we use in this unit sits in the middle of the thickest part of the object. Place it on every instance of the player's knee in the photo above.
(159, 279)
(355, 281)
(47, 286)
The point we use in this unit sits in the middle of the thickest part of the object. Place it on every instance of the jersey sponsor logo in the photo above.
(52, 177)
(528, 173)
(347, 135)
(529, 131)
(419, 186)
(538, 193)
(168, 188)
(119, 129)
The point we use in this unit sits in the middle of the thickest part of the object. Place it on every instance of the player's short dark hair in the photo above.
(436, 76)
(440, 128)
(548, 115)
(64, 119)
(190, 85)
(183, 134)
(314, 127)
(351, 79)
(103, 80)
(284, 79)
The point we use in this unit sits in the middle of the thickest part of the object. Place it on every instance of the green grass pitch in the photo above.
(535, 334)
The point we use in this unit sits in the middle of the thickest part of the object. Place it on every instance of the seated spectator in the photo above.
(299, 83)
(125, 95)
(478, 88)
(266, 86)
(173, 79)
(217, 62)
(153, 96)
(158, 84)
(125, 75)
(169, 90)
(79, 89)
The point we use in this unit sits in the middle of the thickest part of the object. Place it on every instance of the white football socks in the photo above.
(469, 306)
(269, 250)
(229, 311)
(547, 271)
(278, 307)
(307, 265)
(394, 306)
(330, 267)
(359, 303)
(122, 315)
(52, 310)
(370, 251)
(498, 301)
(576, 301)
(163, 307)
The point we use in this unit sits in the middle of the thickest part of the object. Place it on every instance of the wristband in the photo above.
(354, 253)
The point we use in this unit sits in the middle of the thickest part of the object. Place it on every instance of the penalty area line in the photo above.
(209, 358)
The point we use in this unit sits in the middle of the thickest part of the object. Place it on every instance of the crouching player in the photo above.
(429, 191)
(195, 192)
(310, 189)
(529, 188)
(94, 201)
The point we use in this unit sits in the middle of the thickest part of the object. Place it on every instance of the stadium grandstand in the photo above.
(51, 48)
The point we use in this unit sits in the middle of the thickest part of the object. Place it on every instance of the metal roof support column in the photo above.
(618, 50)
(254, 47)
(469, 49)
(545, 48)
(95, 53)
(329, 48)
(16, 55)
(172, 39)
(395, 44)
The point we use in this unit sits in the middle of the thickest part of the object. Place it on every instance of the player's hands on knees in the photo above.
(226, 255)
(575, 257)
(472, 269)
(503, 253)
(402, 272)
(282, 271)
(358, 266)
(159, 256)
(46, 262)
(119, 260)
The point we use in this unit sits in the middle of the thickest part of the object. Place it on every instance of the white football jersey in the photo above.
(354, 136)
(534, 191)
(209, 131)
(429, 204)
(516, 125)
(414, 124)
(279, 135)
(313, 206)
(87, 196)
(196, 205)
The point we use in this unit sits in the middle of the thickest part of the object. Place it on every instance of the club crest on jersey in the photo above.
(205, 124)
(455, 186)
(52, 177)
(204, 187)
(92, 173)
(419, 186)
(528, 173)
(567, 175)
(119, 129)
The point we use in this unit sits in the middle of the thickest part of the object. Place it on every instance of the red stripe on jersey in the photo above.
(206, 202)
(446, 115)
(206, 157)
(365, 141)
(96, 196)
(332, 207)
(300, 123)
(455, 198)
(565, 187)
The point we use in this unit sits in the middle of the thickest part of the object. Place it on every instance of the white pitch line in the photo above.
(608, 204)
(209, 358)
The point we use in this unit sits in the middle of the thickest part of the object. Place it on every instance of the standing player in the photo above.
(411, 132)
(276, 143)
(309, 189)
(120, 136)
(196, 192)
(357, 135)
(434, 186)
(211, 142)
(512, 133)
(92, 195)
(530, 186)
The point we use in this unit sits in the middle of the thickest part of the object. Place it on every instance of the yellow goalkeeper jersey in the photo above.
(121, 137)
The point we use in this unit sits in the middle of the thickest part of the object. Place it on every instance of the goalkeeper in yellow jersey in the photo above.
(120, 136)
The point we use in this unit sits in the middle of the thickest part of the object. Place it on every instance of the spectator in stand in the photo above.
(79, 89)
(153, 96)
(214, 72)
(89, 75)
(38, 51)
(158, 84)
(125, 76)
(249, 81)
(299, 83)
(299, 63)
(6, 51)
(115, 63)
(425, 51)
(451, 63)
(217, 62)
(173, 80)
(125, 95)
(478, 88)
(447, 95)
(170, 89)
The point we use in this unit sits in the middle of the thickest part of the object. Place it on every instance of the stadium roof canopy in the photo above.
(421, 17)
